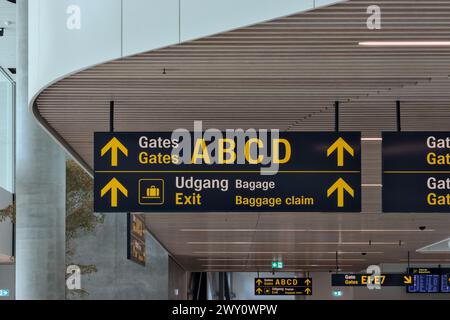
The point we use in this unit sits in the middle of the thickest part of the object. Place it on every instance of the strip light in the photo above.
(286, 252)
(271, 259)
(306, 230)
(264, 265)
(404, 43)
(290, 243)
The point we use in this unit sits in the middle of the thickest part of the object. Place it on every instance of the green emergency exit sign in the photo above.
(277, 265)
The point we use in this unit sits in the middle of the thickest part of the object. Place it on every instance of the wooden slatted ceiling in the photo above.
(283, 74)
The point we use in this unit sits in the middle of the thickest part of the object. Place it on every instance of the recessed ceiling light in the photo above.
(426, 260)
(265, 265)
(305, 230)
(271, 259)
(289, 243)
(284, 252)
(404, 43)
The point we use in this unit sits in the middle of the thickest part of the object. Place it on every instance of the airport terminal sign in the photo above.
(429, 280)
(283, 286)
(227, 171)
(362, 280)
(416, 172)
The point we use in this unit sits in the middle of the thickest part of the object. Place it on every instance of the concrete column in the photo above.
(40, 192)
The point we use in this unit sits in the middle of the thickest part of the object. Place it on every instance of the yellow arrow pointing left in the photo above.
(340, 186)
(340, 145)
(407, 279)
(114, 145)
(114, 186)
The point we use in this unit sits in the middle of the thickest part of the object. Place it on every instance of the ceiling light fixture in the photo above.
(285, 252)
(265, 266)
(404, 43)
(304, 230)
(271, 259)
(289, 243)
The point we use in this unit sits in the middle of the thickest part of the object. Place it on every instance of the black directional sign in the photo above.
(416, 172)
(283, 286)
(290, 172)
(362, 280)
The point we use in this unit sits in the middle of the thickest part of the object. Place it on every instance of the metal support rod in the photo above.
(399, 122)
(336, 116)
(221, 286)
(408, 261)
(111, 116)
(337, 263)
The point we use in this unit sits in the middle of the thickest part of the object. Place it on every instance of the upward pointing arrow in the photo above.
(340, 186)
(340, 145)
(308, 291)
(307, 282)
(114, 185)
(259, 291)
(114, 145)
(259, 282)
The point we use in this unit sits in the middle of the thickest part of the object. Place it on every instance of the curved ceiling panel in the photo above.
(283, 74)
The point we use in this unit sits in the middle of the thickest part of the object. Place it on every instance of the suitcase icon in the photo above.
(153, 192)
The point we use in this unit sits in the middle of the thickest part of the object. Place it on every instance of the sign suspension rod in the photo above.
(111, 116)
(399, 120)
(336, 116)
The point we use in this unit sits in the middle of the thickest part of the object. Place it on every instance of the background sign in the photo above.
(416, 172)
(429, 280)
(137, 172)
(283, 286)
(362, 280)
(136, 238)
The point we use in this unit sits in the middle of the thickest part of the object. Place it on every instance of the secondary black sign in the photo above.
(416, 172)
(136, 250)
(290, 172)
(283, 286)
(362, 280)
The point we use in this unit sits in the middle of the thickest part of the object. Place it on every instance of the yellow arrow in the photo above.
(259, 282)
(340, 145)
(307, 282)
(407, 279)
(114, 145)
(259, 291)
(308, 290)
(340, 186)
(114, 185)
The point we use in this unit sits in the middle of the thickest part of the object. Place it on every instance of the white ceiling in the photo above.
(284, 74)
(8, 41)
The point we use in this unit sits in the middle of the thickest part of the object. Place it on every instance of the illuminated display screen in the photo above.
(429, 280)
